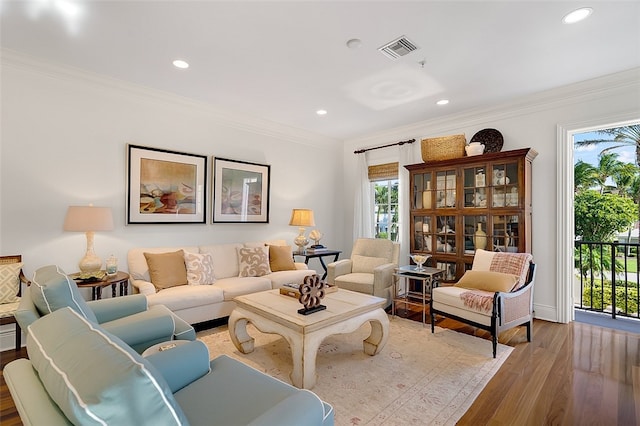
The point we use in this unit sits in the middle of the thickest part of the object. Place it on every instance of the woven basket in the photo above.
(443, 148)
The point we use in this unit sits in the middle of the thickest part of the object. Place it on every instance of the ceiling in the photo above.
(282, 61)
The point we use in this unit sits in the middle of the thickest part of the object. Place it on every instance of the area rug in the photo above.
(418, 378)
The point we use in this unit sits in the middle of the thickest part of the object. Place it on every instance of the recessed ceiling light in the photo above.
(321, 112)
(179, 63)
(577, 15)
(442, 102)
(354, 43)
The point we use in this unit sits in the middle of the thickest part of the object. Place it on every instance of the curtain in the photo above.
(405, 156)
(363, 207)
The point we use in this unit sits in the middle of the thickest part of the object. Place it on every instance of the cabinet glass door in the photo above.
(446, 234)
(506, 233)
(504, 179)
(422, 191)
(475, 187)
(449, 270)
(446, 189)
(423, 234)
(475, 233)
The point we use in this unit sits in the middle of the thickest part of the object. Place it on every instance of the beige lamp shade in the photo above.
(89, 219)
(302, 217)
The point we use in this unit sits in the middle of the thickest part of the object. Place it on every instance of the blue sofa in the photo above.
(79, 373)
(128, 317)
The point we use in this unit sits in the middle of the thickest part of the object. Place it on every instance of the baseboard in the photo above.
(545, 312)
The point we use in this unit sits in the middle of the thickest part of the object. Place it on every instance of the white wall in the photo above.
(529, 122)
(63, 142)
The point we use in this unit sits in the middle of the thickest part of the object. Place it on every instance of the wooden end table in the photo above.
(121, 278)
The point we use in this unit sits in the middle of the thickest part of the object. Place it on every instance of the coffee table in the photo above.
(271, 312)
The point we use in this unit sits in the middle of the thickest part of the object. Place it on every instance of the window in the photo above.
(384, 178)
(386, 209)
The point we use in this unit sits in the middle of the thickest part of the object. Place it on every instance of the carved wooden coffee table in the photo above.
(272, 312)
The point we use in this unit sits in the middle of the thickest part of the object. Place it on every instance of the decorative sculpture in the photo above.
(316, 235)
(312, 291)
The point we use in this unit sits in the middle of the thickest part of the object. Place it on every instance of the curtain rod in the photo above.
(360, 151)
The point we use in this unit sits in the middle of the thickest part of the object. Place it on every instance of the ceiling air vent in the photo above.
(398, 47)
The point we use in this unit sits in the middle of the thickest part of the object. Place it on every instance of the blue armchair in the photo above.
(128, 317)
(59, 384)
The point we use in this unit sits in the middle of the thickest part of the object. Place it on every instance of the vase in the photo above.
(480, 238)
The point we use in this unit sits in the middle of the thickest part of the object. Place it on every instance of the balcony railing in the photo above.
(606, 278)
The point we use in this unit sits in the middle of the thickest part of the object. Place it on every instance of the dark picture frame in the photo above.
(240, 191)
(165, 186)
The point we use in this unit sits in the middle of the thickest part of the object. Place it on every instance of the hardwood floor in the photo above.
(570, 374)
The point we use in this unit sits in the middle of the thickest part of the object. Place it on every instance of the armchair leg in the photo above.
(433, 319)
(18, 337)
(529, 327)
(494, 341)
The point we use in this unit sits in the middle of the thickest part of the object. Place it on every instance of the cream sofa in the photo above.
(198, 303)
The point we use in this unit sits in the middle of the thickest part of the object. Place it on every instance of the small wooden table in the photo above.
(121, 278)
(271, 312)
(319, 254)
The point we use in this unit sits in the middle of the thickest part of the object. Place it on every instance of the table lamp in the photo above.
(301, 218)
(89, 219)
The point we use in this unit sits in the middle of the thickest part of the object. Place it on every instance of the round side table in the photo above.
(121, 278)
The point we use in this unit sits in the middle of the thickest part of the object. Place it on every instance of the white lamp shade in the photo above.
(88, 218)
(302, 217)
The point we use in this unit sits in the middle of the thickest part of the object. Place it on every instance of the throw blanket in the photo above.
(478, 300)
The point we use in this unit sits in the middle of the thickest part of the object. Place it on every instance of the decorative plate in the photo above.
(491, 138)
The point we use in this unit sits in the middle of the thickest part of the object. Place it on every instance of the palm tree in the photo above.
(623, 136)
(608, 166)
(584, 176)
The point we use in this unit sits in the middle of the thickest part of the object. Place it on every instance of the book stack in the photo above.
(312, 250)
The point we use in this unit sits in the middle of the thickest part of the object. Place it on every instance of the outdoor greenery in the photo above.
(628, 295)
(606, 203)
(386, 209)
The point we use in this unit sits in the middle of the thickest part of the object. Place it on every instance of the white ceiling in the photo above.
(281, 61)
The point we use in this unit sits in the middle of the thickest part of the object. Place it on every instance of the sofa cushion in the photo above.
(9, 282)
(94, 377)
(281, 258)
(225, 259)
(366, 263)
(187, 296)
(253, 262)
(167, 269)
(199, 268)
(52, 289)
(237, 286)
(488, 281)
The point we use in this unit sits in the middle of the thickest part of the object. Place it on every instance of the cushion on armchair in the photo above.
(488, 281)
(52, 289)
(367, 263)
(508, 263)
(10, 282)
(110, 385)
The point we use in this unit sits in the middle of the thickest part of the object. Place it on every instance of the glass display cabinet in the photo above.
(460, 205)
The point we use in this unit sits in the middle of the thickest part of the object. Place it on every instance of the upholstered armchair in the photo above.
(370, 268)
(495, 295)
(127, 317)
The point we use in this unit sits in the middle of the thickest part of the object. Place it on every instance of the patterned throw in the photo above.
(478, 300)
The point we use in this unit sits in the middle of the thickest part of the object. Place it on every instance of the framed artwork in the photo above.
(240, 191)
(165, 186)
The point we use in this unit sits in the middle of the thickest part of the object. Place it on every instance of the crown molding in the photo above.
(26, 63)
(593, 89)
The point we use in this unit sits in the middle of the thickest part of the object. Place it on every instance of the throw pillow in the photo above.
(199, 268)
(488, 281)
(167, 269)
(513, 263)
(253, 262)
(281, 258)
(52, 289)
(95, 378)
(9, 282)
